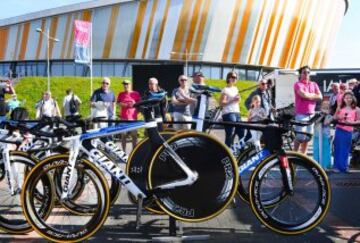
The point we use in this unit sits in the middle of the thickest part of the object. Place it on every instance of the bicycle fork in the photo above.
(11, 172)
(69, 169)
(285, 169)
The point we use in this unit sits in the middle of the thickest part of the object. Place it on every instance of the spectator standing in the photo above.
(47, 107)
(322, 138)
(128, 112)
(264, 94)
(103, 101)
(335, 89)
(356, 91)
(153, 92)
(181, 102)
(71, 104)
(256, 113)
(229, 100)
(13, 103)
(348, 113)
(352, 83)
(5, 89)
(199, 78)
(307, 93)
(339, 97)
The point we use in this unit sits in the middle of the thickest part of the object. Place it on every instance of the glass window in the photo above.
(252, 74)
(242, 74)
(41, 69)
(5, 69)
(30, 69)
(206, 71)
(80, 69)
(119, 69)
(20, 69)
(69, 69)
(57, 69)
(97, 69)
(107, 69)
(215, 73)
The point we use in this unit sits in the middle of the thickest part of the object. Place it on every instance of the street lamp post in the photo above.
(187, 55)
(48, 37)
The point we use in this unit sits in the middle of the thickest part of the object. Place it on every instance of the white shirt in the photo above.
(230, 93)
(48, 108)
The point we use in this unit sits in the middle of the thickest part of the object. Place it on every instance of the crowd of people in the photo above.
(342, 106)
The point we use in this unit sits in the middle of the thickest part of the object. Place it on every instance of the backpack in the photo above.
(19, 113)
(73, 105)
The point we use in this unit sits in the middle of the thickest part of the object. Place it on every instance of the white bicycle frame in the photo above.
(111, 167)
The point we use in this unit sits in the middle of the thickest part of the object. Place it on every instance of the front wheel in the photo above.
(216, 183)
(61, 223)
(299, 211)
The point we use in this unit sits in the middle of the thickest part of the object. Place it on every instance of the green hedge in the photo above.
(30, 90)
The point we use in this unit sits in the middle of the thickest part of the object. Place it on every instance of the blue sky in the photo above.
(346, 53)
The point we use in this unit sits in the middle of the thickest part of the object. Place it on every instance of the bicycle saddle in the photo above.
(204, 89)
(148, 103)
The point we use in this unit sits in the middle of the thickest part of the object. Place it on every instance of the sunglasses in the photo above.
(263, 83)
(125, 84)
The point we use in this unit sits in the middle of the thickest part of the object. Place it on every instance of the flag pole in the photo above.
(91, 60)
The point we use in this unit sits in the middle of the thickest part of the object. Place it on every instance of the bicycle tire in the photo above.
(318, 188)
(244, 181)
(113, 183)
(98, 205)
(137, 168)
(12, 219)
(243, 188)
(217, 180)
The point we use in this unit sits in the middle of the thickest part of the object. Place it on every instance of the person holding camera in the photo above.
(5, 89)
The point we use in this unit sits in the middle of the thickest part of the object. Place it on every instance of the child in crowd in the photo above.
(256, 113)
(346, 113)
(322, 138)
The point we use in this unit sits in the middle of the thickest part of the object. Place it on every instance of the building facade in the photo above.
(212, 35)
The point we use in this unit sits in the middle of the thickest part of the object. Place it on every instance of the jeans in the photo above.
(342, 148)
(230, 131)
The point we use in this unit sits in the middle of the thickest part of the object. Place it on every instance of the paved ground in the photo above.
(342, 224)
(236, 224)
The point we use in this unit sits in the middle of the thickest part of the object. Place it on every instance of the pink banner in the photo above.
(82, 37)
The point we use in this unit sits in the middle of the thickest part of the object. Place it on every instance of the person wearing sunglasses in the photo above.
(181, 101)
(229, 101)
(307, 94)
(103, 101)
(128, 112)
(264, 94)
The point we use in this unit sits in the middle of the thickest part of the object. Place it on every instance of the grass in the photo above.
(30, 89)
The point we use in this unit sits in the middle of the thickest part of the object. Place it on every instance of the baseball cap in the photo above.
(198, 74)
(126, 81)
